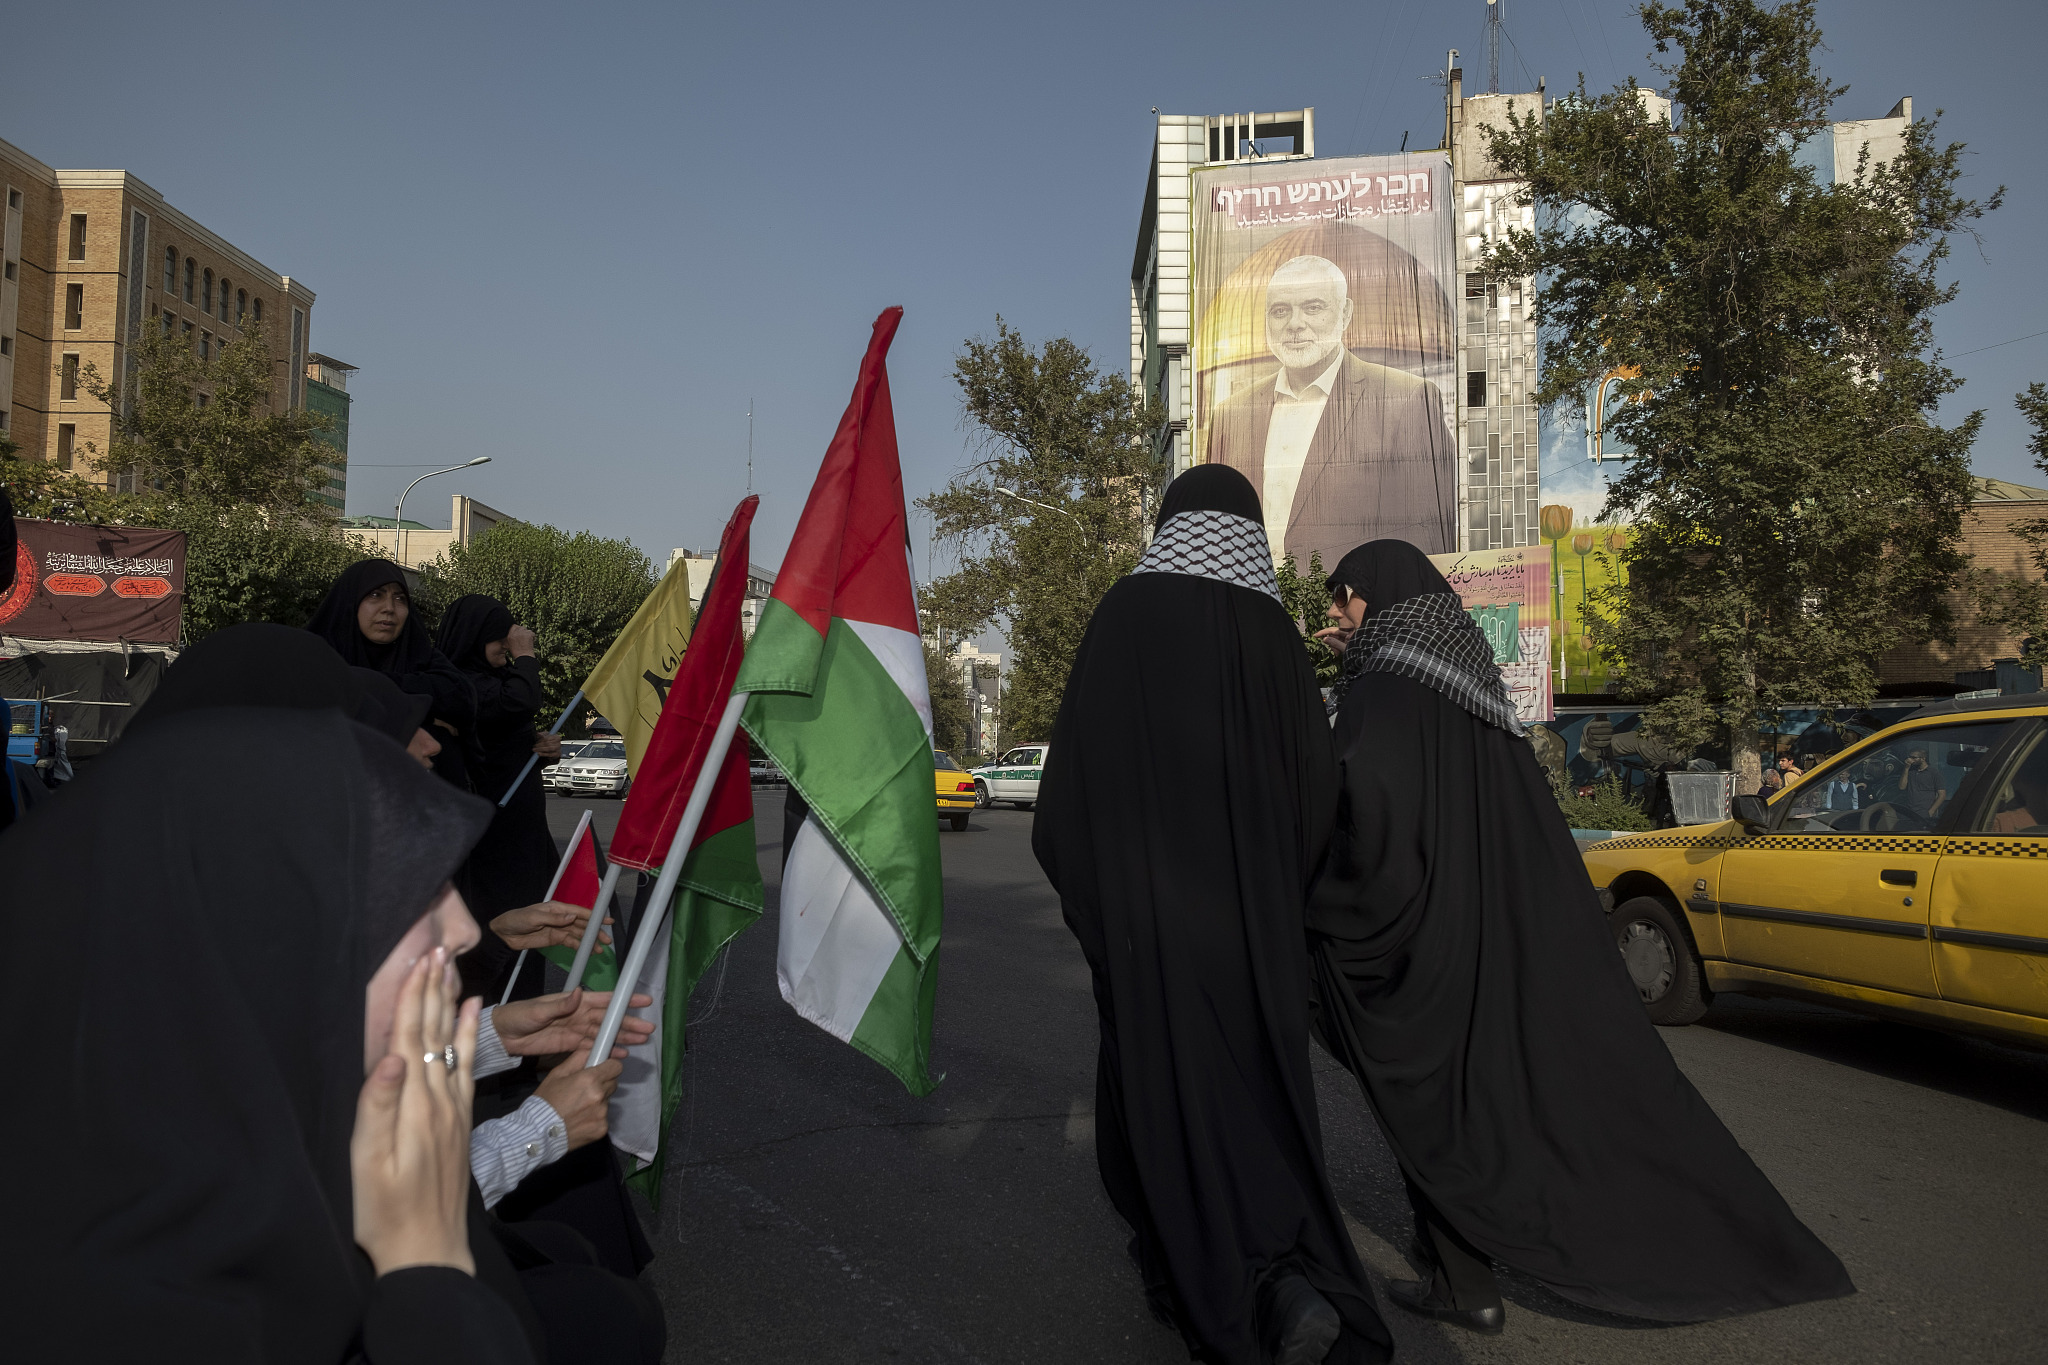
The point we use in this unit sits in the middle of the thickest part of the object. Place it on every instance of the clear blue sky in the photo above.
(579, 239)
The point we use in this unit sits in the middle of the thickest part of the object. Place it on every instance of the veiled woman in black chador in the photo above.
(515, 860)
(388, 635)
(1466, 975)
(1186, 798)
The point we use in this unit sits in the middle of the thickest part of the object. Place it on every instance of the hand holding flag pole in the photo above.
(532, 759)
(589, 934)
(645, 935)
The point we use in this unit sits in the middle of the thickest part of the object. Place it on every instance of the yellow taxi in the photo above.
(1905, 877)
(955, 786)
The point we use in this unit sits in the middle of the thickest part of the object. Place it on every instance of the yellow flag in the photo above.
(632, 680)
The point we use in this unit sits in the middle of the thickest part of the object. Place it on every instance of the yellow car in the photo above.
(1905, 877)
(955, 789)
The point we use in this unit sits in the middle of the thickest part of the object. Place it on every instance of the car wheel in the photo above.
(980, 793)
(1660, 961)
(959, 822)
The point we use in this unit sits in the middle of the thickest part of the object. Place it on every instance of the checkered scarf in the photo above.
(1431, 639)
(1214, 545)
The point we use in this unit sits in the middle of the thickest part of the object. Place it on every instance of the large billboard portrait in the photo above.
(1324, 346)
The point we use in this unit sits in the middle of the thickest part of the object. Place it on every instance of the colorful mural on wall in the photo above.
(1585, 557)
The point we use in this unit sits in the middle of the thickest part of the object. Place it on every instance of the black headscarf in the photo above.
(250, 665)
(411, 660)
(1416, 626)
(335, 621)
(468, 625)
(1210, 488)
(192, 1197)
(1190, 918)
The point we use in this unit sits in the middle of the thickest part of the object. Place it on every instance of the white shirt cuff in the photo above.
(491, 1057)
(505, 1151)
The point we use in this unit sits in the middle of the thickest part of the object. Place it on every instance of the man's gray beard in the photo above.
(1322, 357)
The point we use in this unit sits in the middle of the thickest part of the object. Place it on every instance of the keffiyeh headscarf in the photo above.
(1210, 525)
(1417, 627)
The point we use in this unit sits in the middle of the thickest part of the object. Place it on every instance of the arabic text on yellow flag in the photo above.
(630, 683)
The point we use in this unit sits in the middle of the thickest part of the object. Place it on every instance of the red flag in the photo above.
(689, 718)
(580, 880)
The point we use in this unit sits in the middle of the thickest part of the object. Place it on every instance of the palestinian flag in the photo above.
(837, 684)
(578, 884)
(718, 892)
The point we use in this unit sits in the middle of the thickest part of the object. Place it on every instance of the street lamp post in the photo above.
(398, 513)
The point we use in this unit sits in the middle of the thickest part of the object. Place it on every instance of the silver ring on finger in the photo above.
(431, 1058)
(448, 1056)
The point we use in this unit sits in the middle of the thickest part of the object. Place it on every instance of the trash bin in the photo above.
(1700, 798)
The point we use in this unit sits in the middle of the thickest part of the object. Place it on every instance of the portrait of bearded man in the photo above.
(1341, 450)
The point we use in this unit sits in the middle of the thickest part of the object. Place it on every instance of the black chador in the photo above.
(1186, 798)
(1466, 975)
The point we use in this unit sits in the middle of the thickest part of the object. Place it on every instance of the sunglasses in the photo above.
(1341, 595)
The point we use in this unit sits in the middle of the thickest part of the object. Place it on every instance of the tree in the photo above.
(576, 592)
(950, 714)
(206, 431)
(2019, 606)
(1050, 514)
(1307, 599)
(1796, 508)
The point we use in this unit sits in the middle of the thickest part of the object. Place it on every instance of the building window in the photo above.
(3, 419)
(10, 270)
(14, 199)
(67, 441)
(191, 269)
(74, 307)
(170, 271)
(170, 322)
(199, 400)
(241, 305)
(69, 390)
(259, 312)
(1475, 389)
(77, 237)
(206, 345)
(6, 345)
(206, 293)
(186, 332)
(225, 315)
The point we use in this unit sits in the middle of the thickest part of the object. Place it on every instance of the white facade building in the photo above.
(760, 583)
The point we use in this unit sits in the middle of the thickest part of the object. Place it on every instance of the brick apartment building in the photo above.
(93, 256)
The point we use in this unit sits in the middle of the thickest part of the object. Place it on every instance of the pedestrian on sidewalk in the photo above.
(1465, 974)
(1183, 810)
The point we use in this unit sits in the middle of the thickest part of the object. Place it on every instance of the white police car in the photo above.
(1013, 777)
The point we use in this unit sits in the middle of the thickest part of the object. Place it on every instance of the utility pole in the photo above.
(1493, 47)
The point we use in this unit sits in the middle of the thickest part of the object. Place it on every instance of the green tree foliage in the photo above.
(1797, 510)
(1307, 599)
(950, 714)
(576, 592)
(205, 431)
(2019, 605)
(1607, 808)
(1072, 446)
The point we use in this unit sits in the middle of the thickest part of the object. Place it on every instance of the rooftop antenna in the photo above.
(1493, 47)
(750, 447)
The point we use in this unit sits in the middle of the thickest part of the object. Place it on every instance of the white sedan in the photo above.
(1013, 777)
(551, 773)
(600, 769)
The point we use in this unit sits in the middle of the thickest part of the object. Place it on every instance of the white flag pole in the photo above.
(644, 935)
(589, 941)
(561, 870)
(532, 759)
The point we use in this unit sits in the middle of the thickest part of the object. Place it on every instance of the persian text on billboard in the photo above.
(1325, 349)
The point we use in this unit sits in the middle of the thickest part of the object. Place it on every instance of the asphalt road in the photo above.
(815, 1212)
